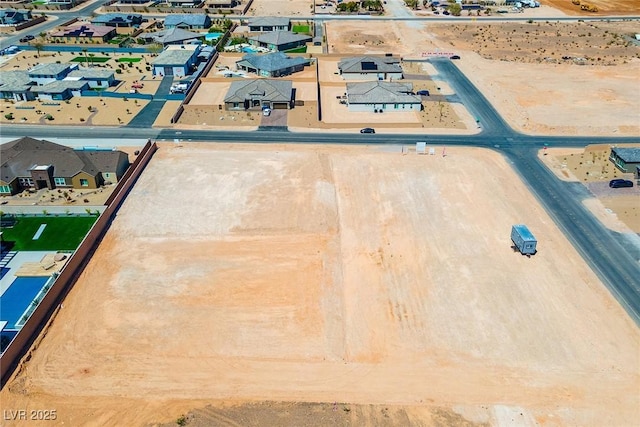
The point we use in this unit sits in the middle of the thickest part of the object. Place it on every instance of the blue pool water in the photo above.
(17, 298)
(212, 36)
(249, 49)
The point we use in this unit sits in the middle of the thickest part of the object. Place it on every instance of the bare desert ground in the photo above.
(379, 285)
(605, 7)
(535, 95)
(280, 8)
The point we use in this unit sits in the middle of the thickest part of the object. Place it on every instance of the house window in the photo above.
(84, 182)
(26, 182)
(5, 189)
(98, 83)
(59, 181)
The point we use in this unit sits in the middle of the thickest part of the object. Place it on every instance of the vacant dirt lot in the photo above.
(333, 274)
(280, 7)
(605, 7)
(536, 96)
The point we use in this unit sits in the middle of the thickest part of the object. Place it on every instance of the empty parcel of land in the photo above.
(333, 274)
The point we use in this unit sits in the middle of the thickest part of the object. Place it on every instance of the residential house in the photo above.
(220, 4)
(14, 17)
(171, 36)
(279, 40)
(188, 21)
(370, 68)
(177, 61)
(274, 64)
(269, 23)
(184, 3)
(63, 4)
(31, 163)
(16, 85)
(46, 73)
(60, 90)
(82, 31)
(254, 94)
(118, 20)
(97, 78)
(626, 159)
(380, 96)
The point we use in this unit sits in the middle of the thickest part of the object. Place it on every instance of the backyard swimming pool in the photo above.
(17, 298)
(212, 36)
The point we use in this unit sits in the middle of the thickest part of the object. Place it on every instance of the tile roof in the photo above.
(117, 17)
(15, 81)
(176, 57)
(60, 86)
(278, 38)
(271, 61)
(51, 69)
(21, 155)
(92, 73)
(269, 21)
(628, 155)
(379, 92)
(265, 89)
(83, 30)
(171, 35)
(190, 19)
(370, 64)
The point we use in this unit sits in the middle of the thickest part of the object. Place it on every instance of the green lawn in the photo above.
(301, 49)
(300, 29)
(98, 59)
(130, 60)
(61, 233)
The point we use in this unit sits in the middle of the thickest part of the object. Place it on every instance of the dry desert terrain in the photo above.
(372, 280)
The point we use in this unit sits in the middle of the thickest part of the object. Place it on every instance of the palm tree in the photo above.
(86, 59)
(39, 46)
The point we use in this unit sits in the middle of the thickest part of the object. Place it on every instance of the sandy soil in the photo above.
(280, 8)
(534, 97)
(368, 275)
(605, 7)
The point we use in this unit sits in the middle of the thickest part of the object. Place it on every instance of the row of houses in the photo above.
(53, 82)
(60, 82)
(29, 163)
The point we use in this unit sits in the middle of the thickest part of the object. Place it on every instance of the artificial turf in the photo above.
(61, 232)
(130, 60)
(91, 59)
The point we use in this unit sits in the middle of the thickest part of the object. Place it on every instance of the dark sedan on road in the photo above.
(620, 183)
(27, 38)
(367, 130)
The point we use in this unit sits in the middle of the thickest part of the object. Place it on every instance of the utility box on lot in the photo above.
(523, 239)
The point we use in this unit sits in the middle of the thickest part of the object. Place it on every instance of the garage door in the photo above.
(280, 105)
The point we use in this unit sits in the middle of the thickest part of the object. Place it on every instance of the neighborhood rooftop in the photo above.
(273, 90)
(190, 19)
(59, 86)
(272, 61)
(269, 21)
(370, 64)
(628, 155)
(280, 37)
(91, 73)
(51, 69)
(14, 81)
(178, 56)
(381, 92)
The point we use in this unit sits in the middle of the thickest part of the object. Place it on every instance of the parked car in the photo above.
(27, 38)
(423, 92)
(266, 112)
(620, 183)
(367, 130)
(454, 57)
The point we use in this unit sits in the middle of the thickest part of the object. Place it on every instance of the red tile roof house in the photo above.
(84, 31)
(29, 163)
